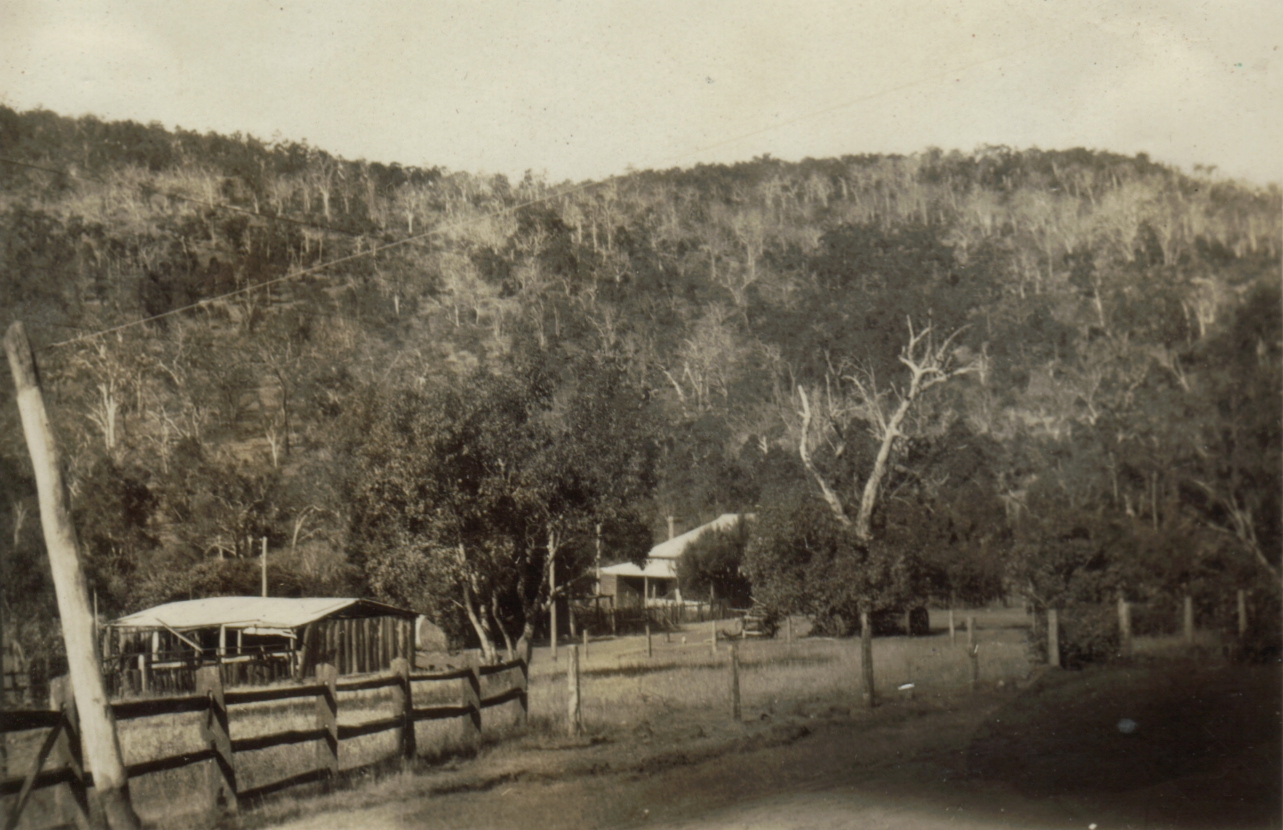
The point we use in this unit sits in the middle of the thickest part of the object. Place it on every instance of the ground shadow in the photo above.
(1189, 743)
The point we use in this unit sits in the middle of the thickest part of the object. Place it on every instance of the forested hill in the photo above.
(1111, 414)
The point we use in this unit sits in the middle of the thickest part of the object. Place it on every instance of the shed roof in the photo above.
(254, 612)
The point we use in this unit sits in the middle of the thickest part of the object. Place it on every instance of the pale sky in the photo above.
(579, 89)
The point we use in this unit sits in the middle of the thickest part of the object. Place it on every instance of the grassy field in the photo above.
(621, 688)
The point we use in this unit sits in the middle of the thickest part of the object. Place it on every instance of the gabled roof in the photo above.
(254, 612)
(661, 562)
(676, 546)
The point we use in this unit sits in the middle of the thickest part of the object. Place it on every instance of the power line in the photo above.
(471, 220)
(440, 229)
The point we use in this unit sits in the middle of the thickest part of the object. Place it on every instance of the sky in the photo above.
(584, 90)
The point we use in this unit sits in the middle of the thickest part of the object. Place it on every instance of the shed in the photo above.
(654, 582)
(255, 639)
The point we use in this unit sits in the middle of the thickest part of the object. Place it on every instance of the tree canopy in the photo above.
(948, 373)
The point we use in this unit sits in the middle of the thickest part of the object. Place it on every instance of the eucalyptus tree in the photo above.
(477, 501)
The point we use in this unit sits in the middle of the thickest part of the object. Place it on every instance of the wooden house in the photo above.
(654, 582)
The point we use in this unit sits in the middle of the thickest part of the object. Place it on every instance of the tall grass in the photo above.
(621, 688)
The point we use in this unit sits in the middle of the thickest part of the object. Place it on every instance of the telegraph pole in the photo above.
(97, 721)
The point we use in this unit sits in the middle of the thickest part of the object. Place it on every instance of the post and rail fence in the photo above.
(58, 761)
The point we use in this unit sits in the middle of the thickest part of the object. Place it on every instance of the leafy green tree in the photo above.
(715, 561)
(802, 560)
(216, 508)
(944, 514)
(465, 498)
(1235, 463)
(115, 510)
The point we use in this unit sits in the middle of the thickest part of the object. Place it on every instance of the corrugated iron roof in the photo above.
(252, 612)
(661, 562)
(655, 569)
(676, 546)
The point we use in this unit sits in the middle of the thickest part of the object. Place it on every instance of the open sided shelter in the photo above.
(255, 639)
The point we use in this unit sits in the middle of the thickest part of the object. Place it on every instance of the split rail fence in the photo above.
(58, 760)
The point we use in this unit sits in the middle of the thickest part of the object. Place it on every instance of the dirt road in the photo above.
(1176, 745)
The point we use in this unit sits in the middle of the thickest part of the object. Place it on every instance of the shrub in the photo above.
(1088, 634)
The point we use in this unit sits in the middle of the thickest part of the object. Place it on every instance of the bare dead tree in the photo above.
(930, 362)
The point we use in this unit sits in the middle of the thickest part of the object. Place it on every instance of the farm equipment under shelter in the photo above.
(256, 640)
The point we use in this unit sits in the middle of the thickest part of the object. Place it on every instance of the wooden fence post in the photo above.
(866, 659)
(1053, 638)
(73, 801)
(788, 632)
(1124, 627)
(1189, 619)
(403, 707)
(712, 623)
(98, 722)
(953, 631)
(574, 712)
(470, 700)
(350, 628)
(1242, 614)
(220, 772)
(327, 718)
(525, 689)
(735, 683)
(973, 656)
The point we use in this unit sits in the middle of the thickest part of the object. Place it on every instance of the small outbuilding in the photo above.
(255, 639)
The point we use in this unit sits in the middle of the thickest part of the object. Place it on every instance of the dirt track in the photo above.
(1204, 751)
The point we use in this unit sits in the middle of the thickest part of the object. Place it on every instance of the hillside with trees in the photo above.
(1048, 374)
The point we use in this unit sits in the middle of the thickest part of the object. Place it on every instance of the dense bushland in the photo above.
(1052, 373)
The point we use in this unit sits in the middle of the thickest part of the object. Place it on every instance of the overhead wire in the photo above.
(443, 229)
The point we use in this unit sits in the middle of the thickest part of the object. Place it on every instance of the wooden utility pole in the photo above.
(98, 723)
(264, 566)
